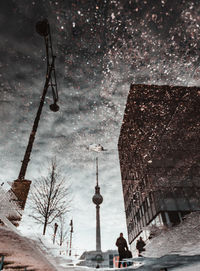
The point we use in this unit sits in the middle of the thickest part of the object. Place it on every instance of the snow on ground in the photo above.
(37, 252)
(176, 248)
(183, 239)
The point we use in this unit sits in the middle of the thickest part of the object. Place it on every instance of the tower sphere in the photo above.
(97, 199)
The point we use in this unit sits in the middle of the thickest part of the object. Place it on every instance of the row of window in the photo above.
(140, 217)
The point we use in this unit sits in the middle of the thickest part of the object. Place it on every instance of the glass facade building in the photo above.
(159, 154)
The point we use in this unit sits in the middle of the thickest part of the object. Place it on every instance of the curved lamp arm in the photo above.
(44, 30)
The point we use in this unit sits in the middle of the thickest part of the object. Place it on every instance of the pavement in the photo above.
(22, 252)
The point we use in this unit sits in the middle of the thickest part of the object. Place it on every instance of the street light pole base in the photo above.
(20, 188)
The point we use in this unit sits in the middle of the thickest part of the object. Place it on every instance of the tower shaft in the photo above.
(98, 231)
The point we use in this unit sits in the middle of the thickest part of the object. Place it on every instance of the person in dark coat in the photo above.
(140, 246)
(122, 248)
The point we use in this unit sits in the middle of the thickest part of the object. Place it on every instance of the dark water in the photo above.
(171, 262)
(175, 262)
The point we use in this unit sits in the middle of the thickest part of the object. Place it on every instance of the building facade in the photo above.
(159, 155)
(102, 259)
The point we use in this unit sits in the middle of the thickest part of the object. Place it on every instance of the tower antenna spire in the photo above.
(97, 174)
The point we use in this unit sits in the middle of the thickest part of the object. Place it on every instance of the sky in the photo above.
(101, 48)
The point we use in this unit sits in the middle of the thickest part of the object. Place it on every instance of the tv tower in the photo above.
(97, 199)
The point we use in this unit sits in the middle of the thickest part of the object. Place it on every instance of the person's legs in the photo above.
(119, 264)
(120, 261)
(123, 263)
(139, 253)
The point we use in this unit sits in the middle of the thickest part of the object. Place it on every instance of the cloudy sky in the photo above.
(101, 47)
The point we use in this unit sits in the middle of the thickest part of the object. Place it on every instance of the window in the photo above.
(148, 202)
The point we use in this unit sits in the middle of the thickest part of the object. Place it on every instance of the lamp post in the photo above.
(71, 231)
(55, 230)
(21, 186)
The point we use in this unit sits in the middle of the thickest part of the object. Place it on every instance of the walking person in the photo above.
(140, 246)
(122, 248)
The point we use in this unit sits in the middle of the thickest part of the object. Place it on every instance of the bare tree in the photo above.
(50, 197)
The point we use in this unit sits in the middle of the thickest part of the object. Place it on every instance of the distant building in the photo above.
(159, 153)
(103, 259)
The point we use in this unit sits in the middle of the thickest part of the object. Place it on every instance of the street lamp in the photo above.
(71, 231)
(55, 230)
(21, 186)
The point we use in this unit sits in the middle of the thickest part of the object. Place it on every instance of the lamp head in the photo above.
(42, 28)
(54, 107)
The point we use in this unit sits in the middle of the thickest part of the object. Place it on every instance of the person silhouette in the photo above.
(122, 248)
(140, 246)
